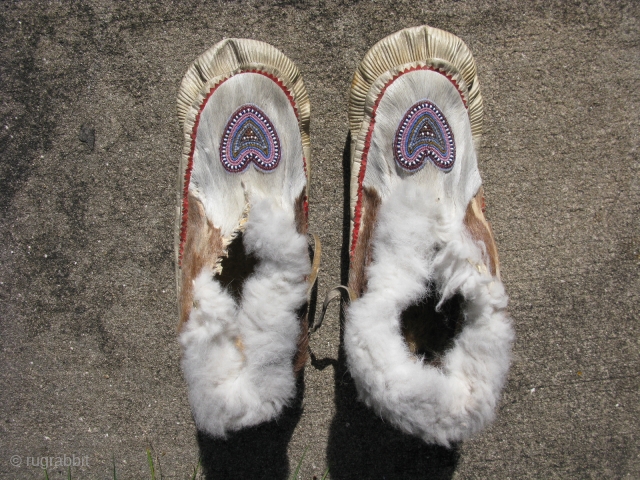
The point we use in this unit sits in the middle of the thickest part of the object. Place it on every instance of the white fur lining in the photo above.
(417, 241)
(232, 386)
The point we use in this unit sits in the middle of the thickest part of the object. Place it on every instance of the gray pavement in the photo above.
(89, 357)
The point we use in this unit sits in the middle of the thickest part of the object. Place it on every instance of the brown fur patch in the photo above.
(202, 248)
(301, 213)
(302, 226)
(362, 254)
(302, 355)
(480, 230)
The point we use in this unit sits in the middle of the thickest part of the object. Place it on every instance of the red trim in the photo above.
(367, 143)
(194, 131)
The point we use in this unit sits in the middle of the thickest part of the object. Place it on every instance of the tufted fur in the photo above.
(238, 357)
(419, 240)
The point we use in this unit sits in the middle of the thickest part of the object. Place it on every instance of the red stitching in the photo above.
(367, 143)
(194, 131)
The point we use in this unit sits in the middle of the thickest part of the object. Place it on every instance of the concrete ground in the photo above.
(90, 144)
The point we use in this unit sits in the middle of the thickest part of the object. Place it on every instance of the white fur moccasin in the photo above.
(427, 338)
(242, 258)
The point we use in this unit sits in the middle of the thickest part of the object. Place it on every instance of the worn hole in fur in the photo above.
(237, 266)
(430, 333)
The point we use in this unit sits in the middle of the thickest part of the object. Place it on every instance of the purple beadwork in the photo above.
(424, 133)
(249, 137)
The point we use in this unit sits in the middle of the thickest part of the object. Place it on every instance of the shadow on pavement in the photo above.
(255, 453)
(361, 445)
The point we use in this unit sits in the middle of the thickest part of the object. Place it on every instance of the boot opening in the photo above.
(430, 333)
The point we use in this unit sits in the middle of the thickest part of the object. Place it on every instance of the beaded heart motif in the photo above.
(249, 137)
(424, 134)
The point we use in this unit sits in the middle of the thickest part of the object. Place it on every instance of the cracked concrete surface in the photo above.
(90, 361)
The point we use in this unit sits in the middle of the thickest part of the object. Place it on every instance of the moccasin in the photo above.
(428, 337)
(242, 257)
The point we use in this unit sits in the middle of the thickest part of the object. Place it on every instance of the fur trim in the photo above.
(238, 357)
(417, 241)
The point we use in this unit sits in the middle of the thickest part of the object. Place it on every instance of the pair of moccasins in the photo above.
(427, 335)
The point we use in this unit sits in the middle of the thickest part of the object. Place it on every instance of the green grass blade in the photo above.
(297, 471)
(68, 473)
(151, 467)
(196, 469)
(46, 474)
(326, 475)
